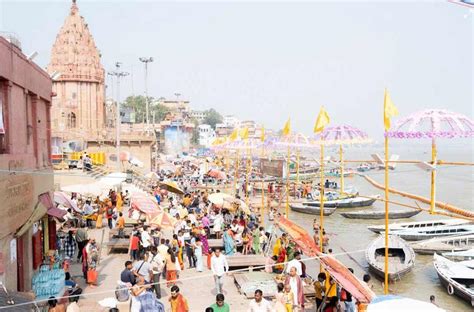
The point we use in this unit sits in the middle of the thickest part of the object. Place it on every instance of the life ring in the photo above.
(450, 289)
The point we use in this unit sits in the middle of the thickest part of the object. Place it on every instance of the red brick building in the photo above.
(26, 176)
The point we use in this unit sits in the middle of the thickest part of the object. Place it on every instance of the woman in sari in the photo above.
(100, 215)
(276, 247)
(228, 244)
(205, 243)
(119, 201)
(172, 267)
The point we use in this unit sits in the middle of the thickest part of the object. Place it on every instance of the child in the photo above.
(289, 298)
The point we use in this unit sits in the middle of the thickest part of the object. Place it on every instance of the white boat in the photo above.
(444, 244)
(416, 225)
(401, 257)
(437, 231)
(460, 255)
(456, 277)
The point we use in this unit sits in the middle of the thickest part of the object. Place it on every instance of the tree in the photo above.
(138, 104)
(195, 135)
(212, 118)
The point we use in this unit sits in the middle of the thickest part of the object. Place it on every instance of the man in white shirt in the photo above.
(296, 264)
(145, 238)
(143, 268)
(219, 267)
(157, 263)
(259, 304)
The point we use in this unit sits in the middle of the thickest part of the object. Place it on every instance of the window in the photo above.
(71, 120)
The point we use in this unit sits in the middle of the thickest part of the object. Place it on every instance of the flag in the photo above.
(244, 133)
(262, 135)
(322, 120)
(233, 136)
(287, 128)
(389, 110)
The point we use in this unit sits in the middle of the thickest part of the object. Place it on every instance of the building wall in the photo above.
(25, 94)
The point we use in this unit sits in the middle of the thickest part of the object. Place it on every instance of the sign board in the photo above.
(16, 196)
(274, 168)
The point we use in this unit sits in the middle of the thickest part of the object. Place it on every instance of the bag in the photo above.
(92, 276)
(110, 211)
(343, 295)
(121, 293)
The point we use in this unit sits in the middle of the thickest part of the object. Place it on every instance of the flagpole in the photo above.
(386, 217)
(236, 176)
(288, 184)
(262, 208)
(249, 167)
(321, 198)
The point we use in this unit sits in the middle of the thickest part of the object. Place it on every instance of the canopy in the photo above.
(145, 203)
(217, 174)
(65, 200)
(164, 221)
(394, 303)
(172, 187)
(334, 267)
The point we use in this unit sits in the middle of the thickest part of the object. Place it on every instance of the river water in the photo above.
(455, 185)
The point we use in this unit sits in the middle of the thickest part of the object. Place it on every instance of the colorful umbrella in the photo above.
(433, 124)
(145, 203)
(164, 221)
(172, 187)
(217, 174)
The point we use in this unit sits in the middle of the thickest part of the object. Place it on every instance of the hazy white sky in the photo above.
(272, 60)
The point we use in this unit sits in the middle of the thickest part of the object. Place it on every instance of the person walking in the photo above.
(157, 263)
(177, 301)
(172, 267)
(70, 245)
(121, 225)
(81, 239)
(109, 213)
(219, 267)
(220, 305)
(198, 254)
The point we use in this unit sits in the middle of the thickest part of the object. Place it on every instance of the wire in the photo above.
(183, 279)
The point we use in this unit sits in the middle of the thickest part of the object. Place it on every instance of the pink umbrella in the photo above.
(65, 200)
(145, 203)
(433, 124)
(217, 174)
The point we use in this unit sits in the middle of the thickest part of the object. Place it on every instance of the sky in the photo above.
(270, 61)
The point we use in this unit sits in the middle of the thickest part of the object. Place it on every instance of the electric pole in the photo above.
(146, 60)
(119, 74)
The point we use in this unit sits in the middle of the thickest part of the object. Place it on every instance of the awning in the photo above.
(38, 212)
(46, 200)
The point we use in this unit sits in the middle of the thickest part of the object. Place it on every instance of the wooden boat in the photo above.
(437, 231)
(349, 202)
(401, 257)
(456, 277)
(444, 244)
(337, 174)
(380, 214)
(460, 255)
(311, 210)
(416, 225)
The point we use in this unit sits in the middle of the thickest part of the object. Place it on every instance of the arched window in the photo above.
(71, 120)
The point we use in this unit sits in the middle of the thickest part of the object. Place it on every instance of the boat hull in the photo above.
(312, 210)
(378, 216)
(458, 289)
(345, 203)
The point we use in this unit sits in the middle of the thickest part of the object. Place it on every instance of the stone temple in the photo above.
(79, 105)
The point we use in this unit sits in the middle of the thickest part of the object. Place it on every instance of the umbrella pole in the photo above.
(297, 169)
(321, 198)
(341, 157)
(433, 177)
(386, 218)
(226, 161)
(288, 184)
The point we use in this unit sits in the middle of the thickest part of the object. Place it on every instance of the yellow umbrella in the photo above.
(164, 220)
(172, 187)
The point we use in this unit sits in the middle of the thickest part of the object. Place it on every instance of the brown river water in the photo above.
(455, 185)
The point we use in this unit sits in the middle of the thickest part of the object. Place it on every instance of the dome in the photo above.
(74, 54)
